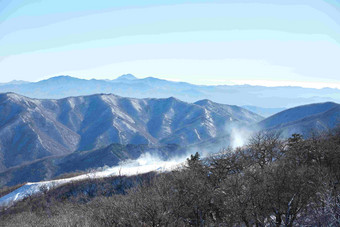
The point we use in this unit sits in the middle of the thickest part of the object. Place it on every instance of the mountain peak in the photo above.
(12, 96)
(15, 82)
(204, 102)
(60, 77)
(127, 77)
(173, 99)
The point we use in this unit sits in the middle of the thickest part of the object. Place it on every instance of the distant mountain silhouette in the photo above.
(150, 87)
(265, 112)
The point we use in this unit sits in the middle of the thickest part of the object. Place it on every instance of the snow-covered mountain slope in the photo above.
(230, 111)
(32, 129)
(146, 163)
(304, 120)
(29, 131)
(130, 86)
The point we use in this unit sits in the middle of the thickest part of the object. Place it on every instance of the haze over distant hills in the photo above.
(262, 100)
(263, 111)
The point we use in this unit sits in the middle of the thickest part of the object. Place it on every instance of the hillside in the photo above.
(295, 178)
(32, 129)
(305, 120)
(83, 161)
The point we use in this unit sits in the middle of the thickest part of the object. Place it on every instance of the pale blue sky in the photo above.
(277, 42)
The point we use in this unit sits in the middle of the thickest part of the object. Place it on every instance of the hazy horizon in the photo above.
(230, 83)
(260, 42)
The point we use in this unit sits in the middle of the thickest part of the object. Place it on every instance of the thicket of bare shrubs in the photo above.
(269, 182)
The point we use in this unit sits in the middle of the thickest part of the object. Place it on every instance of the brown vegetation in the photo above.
(269, 182)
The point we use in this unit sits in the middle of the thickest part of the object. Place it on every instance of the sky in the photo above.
(259, 42)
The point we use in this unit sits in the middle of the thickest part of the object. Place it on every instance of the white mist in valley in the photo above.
(147, 162)
(239, 135)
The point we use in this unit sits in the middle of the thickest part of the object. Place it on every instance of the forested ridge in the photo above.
(269, 182)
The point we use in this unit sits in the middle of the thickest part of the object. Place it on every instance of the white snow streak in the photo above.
(146, 163)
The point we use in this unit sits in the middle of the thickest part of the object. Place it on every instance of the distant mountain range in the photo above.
(260, 99)
(265, 112)
(32, 129)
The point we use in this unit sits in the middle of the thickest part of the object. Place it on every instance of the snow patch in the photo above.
(71, 102)
(198, 135)
(136, 105)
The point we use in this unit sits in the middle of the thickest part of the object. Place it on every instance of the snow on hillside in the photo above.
(32, 128)
(146, 163)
